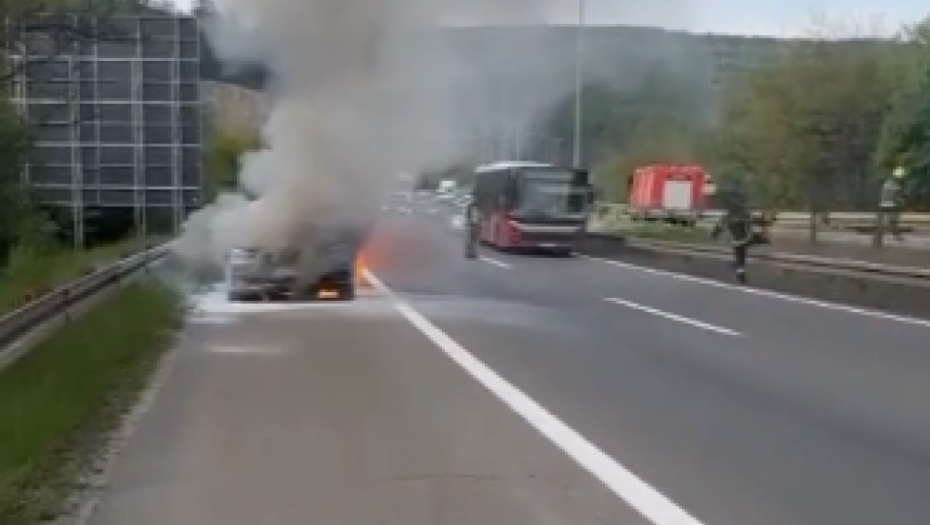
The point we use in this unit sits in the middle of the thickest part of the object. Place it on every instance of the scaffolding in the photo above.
(120, 123)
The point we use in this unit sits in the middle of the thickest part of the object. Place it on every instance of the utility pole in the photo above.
(78, 233)
(579, 84)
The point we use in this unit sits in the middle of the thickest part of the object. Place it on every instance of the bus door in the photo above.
(489, 224)
(506, 199)
(490, 204)
(497, 228)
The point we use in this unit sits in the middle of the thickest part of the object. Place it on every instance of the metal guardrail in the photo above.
(921, 219)
(837, 217)
(20, 322)
(918, 219)
(907, 272)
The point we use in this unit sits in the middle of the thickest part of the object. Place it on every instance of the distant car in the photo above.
(239, 257)
(462, 201)
(397, 202)
(244, 270)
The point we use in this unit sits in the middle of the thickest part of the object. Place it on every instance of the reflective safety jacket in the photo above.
(891, 194)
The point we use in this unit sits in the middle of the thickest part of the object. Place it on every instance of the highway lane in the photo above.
(337, 414)
(808, 413)
(848, 358)
(346, 414)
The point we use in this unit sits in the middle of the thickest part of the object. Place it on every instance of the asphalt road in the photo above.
(529, 390)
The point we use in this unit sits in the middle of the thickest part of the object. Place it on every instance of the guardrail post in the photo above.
(878, 238)
(65, 301)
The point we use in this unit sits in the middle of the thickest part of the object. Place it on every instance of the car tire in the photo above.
(243, 297)
(347, 292)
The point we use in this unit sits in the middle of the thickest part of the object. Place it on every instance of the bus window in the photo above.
(551, 192)
(480, 193)
(510, 190)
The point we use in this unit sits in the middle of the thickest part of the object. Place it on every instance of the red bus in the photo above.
(531, 205)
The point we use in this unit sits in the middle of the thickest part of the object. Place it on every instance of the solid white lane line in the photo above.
(768, 293)
(495, 262)
(645, 499)
(674, 317)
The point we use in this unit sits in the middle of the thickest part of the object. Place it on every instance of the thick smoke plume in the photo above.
(363, 90)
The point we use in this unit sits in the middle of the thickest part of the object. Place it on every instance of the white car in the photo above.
(242, 264)
(243, 260)
(462, 201)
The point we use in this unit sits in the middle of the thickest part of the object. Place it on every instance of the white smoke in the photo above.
(364, 90)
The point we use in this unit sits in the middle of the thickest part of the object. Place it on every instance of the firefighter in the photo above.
(737, 221)
(890, 202)
(471, 231)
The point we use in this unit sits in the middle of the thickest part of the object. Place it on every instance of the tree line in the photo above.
(817, 128)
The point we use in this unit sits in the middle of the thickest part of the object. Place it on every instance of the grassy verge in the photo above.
(664, 232)
(30, 273)
(60, 400)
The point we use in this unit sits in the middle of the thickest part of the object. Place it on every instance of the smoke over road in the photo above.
(363, 89)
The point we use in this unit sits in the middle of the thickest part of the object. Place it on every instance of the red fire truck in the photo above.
(674, 193)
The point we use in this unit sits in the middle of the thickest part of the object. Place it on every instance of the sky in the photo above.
(743, 17)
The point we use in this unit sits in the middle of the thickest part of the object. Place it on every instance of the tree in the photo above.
(652, 141)
(223, 157)
(21, 220)
(804, 129)
(655, 119)
(612, 116)
(905, 136)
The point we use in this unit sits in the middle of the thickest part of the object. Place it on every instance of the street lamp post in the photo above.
(579, 84)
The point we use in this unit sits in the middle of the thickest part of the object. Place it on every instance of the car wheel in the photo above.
(347, 292)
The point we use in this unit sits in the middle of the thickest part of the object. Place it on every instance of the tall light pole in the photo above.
(579, 84)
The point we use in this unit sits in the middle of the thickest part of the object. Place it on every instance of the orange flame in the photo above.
(361, 268)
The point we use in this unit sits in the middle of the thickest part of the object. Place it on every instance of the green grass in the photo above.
(664, 232)
(60, 399)
(30, 273)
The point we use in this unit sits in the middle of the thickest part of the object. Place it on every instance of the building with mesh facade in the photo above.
(118, 121)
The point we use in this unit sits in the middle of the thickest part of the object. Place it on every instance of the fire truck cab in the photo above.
(674, 193)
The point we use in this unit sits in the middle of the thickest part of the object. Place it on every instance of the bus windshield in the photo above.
(551, 193)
